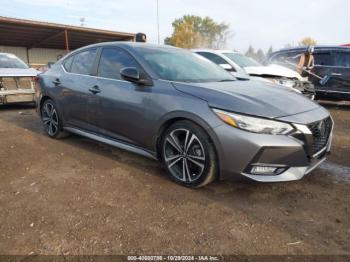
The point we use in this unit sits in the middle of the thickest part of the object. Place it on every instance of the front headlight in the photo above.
(254, 124)
(287, 83)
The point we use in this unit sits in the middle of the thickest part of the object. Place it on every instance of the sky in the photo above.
(260, 23)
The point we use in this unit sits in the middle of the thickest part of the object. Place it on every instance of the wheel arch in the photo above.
(175, 117)
(42, 101)
(46, 97)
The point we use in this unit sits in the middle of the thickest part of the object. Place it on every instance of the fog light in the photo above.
(265, 170)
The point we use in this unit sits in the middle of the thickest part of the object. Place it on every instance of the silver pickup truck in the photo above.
(16, 80)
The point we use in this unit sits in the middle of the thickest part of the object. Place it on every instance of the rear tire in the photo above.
(51, 120)
(188, 155)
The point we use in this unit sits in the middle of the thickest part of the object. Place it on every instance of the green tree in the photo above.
(269, 51)
(167, 41)
(192, 31)
(250, 52)
(260, 56)
(307, 41)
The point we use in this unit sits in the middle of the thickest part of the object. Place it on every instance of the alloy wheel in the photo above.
(50, 118)
(184, 155)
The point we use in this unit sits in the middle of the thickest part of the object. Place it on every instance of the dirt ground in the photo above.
(76, 196)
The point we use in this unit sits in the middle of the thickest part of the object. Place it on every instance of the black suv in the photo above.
(329, 60)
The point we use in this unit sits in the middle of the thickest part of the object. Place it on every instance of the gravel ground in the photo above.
(76, 196)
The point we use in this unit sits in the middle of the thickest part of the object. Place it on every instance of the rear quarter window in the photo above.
(342, 59)
(67, 64)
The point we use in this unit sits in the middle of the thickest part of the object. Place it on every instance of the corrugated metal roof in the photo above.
(29, 33)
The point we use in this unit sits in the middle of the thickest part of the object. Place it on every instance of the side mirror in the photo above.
(130, 74)
(227, 67)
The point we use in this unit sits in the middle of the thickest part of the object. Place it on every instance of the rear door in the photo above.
(77, 83)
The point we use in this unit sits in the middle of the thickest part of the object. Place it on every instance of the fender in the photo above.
(172, 117)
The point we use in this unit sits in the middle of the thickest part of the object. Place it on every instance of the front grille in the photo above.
(321, 131)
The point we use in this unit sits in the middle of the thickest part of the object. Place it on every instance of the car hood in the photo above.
(272, 70)
(18, 72)
(249, 97)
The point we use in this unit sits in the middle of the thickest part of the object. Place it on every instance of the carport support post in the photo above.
(66, 40)
(27, 53)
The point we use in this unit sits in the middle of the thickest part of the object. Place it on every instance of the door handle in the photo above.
(56, 82)
(95, 89)
(337, 74)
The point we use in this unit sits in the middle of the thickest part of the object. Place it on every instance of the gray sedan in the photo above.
(170, 104)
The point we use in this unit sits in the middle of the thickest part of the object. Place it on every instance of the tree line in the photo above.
(191, 31)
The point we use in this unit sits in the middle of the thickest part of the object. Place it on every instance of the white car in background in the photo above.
(16, 80)
(239, 64)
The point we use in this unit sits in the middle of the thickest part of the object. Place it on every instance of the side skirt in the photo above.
(111, 142)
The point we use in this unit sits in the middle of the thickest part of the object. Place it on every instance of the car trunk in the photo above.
(16, 89)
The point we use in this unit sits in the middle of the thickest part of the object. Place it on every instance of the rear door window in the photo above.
(113, 60)
(83, 62)
(342, 59)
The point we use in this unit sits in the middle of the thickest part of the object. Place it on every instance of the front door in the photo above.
(121, 113)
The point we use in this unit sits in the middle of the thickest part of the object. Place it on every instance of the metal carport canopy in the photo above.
(35, 34)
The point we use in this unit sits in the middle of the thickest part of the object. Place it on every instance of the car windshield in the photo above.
(241, 60)
(176, 64)
(11, 61)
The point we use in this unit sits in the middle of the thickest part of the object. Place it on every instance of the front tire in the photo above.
(51, 120)
(188, 155)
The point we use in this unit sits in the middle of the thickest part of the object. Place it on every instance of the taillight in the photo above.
(35, 80)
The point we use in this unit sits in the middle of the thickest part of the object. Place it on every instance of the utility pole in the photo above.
(158, 21)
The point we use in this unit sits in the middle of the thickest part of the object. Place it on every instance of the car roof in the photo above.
(317, 47)
(214, 51)
(128, 45)
(123, 44)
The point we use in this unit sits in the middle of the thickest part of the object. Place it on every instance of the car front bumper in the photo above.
(291, 174)
(239, 151)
